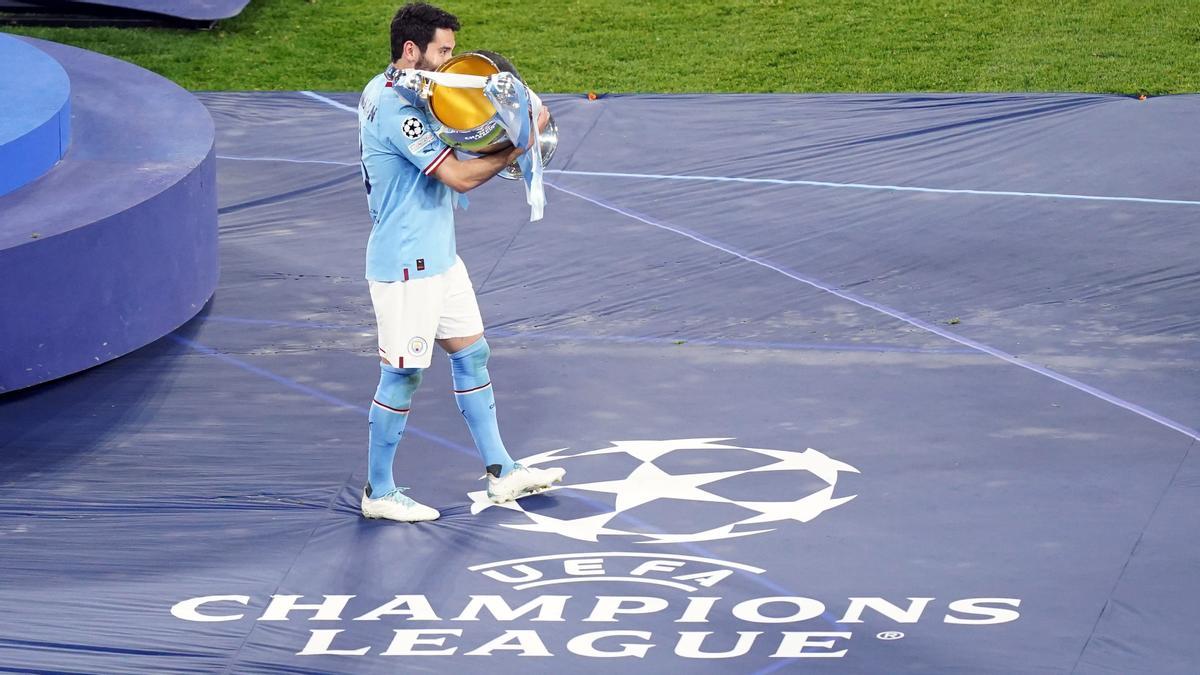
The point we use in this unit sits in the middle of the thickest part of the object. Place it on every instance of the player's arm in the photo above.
(462, 175)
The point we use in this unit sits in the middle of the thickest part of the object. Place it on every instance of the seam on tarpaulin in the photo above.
(1128, 559)
(309, 391)
(900, 316)
(233, 658)
(521, 229)
(276, 198)
(494, 331)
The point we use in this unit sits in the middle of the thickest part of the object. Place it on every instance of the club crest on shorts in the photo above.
(417, 346)
(412, 127)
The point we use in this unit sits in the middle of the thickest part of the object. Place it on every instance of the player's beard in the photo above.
(424, 63)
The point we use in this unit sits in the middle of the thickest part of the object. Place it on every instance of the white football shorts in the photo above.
(411, 314)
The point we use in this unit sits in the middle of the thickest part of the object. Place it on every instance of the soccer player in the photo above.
(419, 287)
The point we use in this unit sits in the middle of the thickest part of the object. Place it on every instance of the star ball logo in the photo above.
(729, 503)
(413, 128)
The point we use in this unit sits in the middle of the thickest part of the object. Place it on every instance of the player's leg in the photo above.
(473, 392)
(460, 333)
(403, 315)
(386, 422)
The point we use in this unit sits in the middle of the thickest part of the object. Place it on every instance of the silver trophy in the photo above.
(468, 121)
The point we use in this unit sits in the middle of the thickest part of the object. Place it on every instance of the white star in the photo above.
(542, 457)
(583, 529)
(648, 482)
(814, 461)
(480, 501)
(723, 532)
(802, 510)
(648, 451)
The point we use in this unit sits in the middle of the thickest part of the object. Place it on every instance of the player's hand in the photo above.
(543, 119)
(516, 152)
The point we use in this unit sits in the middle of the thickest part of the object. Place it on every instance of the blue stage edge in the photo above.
(35, 129)
(115, 246)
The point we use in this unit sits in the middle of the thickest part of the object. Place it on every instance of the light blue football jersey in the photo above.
(412, 213)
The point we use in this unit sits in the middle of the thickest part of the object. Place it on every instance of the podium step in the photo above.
(35, 127)
(115, 246)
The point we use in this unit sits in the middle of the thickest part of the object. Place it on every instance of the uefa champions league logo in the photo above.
(700, 623)
(649, 482)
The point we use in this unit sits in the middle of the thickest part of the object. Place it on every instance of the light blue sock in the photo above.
(473, 392)
(389, 414)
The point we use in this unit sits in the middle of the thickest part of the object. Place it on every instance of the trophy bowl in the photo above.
(468, 121)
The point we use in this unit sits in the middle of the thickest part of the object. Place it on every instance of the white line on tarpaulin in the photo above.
(868, 186)
(283, 159)
(896, 314)
(323, 99)
(781, 181)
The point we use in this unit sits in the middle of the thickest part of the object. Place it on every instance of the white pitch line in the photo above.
(868, 186)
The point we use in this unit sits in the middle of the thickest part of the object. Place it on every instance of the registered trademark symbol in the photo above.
(890, 635)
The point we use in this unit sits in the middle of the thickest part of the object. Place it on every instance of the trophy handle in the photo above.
(548, 143)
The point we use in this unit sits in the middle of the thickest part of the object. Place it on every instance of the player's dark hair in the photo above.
(417, 22)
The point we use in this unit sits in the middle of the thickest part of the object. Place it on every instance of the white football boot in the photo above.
(395, 506)
(522, 481)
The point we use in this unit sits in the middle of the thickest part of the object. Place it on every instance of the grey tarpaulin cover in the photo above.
(983, 311)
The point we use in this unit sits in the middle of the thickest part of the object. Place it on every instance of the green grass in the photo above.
(1122, 46)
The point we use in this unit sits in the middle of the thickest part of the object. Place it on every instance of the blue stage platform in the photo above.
(116, 245)
(35, 129)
